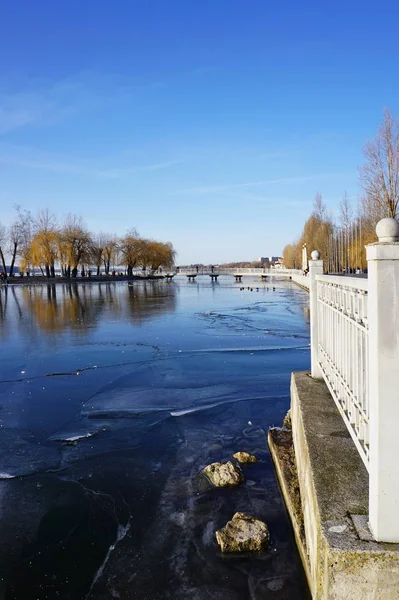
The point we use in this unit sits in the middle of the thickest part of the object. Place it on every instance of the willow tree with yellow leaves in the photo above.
(42, 251)
(74, 245)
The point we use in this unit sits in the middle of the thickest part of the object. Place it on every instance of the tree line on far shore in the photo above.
(47, 244)
(342, 242)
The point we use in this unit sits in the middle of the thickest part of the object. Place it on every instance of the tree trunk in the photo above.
(48, 271)
(52, 271)
(14, 254)
(129, 271)
(98, 270)
(68, 271)
(75, 272)
(3, 261)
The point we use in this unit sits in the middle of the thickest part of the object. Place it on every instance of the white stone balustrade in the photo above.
(355, 348)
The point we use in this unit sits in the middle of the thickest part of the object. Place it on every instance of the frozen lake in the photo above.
(112, 399)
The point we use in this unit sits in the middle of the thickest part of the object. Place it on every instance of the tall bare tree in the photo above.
(3, 242)
(379, 175)
(19, 234)
(345, 212)
(319, 208)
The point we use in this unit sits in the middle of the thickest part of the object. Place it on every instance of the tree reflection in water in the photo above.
(80, 307)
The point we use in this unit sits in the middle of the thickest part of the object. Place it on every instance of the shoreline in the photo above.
(40, 280)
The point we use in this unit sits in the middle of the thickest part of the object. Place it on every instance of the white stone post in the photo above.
(315, 268)
(383, 315)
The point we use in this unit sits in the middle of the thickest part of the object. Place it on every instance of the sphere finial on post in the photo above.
(387, 230)
(315, 255)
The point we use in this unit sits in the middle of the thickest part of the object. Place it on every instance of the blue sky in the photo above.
(208, 123)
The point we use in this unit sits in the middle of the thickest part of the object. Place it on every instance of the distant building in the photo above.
(279, 264)
(270, 260)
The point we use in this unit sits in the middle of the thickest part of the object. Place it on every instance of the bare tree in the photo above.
(19, 234)
(319, 208)
(345, 212)
(380, 174)
(3, 241)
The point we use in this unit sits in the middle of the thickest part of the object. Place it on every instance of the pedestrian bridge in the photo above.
(191, 273)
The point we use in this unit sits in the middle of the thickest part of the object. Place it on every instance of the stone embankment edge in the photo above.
(333, 486)
(302, 281)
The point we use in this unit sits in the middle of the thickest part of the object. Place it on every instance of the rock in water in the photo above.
(224, 474)
(245, 457)
(243, 534)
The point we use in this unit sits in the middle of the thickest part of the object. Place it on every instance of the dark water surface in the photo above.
(112, 399)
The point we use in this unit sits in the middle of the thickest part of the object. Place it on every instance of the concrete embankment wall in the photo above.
(302, 281)
(330, 485)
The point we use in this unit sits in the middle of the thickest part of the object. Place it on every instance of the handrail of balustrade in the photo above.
(359, 283)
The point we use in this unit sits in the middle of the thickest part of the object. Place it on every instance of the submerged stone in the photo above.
(224, 474)
(245, 457)
(243, 534)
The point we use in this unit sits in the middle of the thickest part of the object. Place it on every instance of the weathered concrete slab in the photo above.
(333, 485)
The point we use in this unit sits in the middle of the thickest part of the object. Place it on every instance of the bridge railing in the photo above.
(354, 327)
(237, 271)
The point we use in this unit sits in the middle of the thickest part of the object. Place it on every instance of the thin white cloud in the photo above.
(42, 104)
(72, 168)
(263, 200)
(39, 106)
(45, 103)
(271, 155)
(140, 168)
(226, 188)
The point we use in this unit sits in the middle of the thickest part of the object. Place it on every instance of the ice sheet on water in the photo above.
(20, 456)
(186, 411)
(76, 431)
(142, 400)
